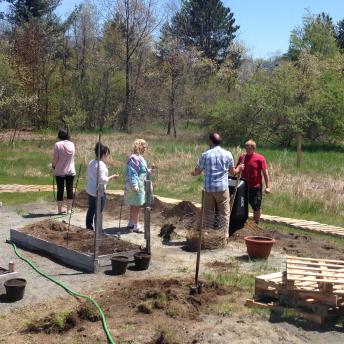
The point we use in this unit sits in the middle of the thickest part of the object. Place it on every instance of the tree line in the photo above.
(121, 63)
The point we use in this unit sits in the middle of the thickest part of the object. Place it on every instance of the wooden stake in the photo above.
(298, 149)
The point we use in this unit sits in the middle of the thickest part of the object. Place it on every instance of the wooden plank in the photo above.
(315, 259)
(341, 270)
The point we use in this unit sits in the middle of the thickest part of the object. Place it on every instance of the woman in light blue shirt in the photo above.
(136, 174)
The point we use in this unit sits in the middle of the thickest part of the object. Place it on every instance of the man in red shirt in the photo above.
(255, 166)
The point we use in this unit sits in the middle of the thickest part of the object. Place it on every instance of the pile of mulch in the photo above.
(79, 239)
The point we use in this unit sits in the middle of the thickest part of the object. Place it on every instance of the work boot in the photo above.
(59, 207)
(69, 205)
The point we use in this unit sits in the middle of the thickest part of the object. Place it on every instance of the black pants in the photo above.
(255, 198)
(60, 181)
(92, 203)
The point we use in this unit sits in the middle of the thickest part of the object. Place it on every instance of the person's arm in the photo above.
(267, 180)
(55, 156)
(200, 167)
(235, 170)
(239, 167)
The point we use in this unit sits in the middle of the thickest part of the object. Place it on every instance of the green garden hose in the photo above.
(68, 290)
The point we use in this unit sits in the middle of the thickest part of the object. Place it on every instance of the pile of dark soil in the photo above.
(296, 244)
(79, 239)
(182, 210)
(172, 296)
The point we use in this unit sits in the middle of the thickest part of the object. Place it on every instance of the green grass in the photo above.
(233, 278)
(11, 199)
(27, 163)
(316, 162)
(312, 209)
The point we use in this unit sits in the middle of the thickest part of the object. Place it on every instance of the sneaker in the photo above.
(138, 229)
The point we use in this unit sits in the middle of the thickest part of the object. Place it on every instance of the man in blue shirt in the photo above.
(216, 163)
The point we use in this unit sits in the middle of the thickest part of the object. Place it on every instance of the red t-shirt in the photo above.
(254, 165)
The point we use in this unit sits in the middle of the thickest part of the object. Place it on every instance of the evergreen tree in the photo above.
(22, 11)
(206, 24)
(340, 34)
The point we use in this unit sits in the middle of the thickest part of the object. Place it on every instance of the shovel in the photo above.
(197, 288)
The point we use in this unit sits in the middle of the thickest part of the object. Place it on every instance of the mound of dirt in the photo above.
(79, 239)
(182, 210)
(292, 243)
(171, 296)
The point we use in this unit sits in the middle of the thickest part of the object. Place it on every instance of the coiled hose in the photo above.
(68, 290)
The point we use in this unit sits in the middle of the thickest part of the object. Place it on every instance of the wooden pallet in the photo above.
(320, 279)
(313, 288)
(310, 316)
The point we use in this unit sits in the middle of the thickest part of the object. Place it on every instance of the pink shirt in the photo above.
(64, 157)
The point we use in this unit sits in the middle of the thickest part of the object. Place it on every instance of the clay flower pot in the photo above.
(15, 289)
(259, 246)
(119, 264)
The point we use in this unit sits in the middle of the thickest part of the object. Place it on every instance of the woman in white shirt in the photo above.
(104, 177)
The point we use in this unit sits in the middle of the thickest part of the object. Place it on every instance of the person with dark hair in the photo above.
(102, 154)
(64, 169)
(216, 162)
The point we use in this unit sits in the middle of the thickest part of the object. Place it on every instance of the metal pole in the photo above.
(71, 211)
(199, 246)
(147, 210)
(98, 224)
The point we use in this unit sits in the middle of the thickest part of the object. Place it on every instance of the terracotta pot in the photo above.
(15, 289)
(119, 264)
(259, 246)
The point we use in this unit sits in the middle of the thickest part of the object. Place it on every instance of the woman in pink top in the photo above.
(63, 164)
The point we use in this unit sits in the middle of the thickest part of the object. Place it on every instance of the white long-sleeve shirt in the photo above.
(92, 177)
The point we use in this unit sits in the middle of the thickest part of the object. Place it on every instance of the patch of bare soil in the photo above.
(79, 239)
(296, 244)
(218, 265)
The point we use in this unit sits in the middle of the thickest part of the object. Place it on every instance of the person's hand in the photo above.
(114, 176)
(267, 190)
(136, 189)
(241, 167)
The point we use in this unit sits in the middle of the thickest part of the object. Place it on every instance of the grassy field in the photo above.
(316, 192)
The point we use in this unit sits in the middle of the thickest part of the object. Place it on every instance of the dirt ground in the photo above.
(76, 238)
(154, 306)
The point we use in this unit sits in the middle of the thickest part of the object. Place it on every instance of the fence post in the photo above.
(147, 210)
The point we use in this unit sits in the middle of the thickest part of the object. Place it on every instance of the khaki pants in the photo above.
(217, 210)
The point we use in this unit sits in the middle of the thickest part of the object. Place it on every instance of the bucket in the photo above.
(119, 264)
(15, 289)
(259, 246)
(142, 260)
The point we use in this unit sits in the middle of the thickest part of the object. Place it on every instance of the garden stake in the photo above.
(197, 288)
(71, 211)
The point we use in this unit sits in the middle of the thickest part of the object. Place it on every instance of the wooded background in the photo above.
(119, 64)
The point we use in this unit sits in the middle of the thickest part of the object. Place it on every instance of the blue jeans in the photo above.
(91, 212)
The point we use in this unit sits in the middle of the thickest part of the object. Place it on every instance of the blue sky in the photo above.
(265, 25)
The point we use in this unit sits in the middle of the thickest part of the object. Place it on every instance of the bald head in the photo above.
(215, 139)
